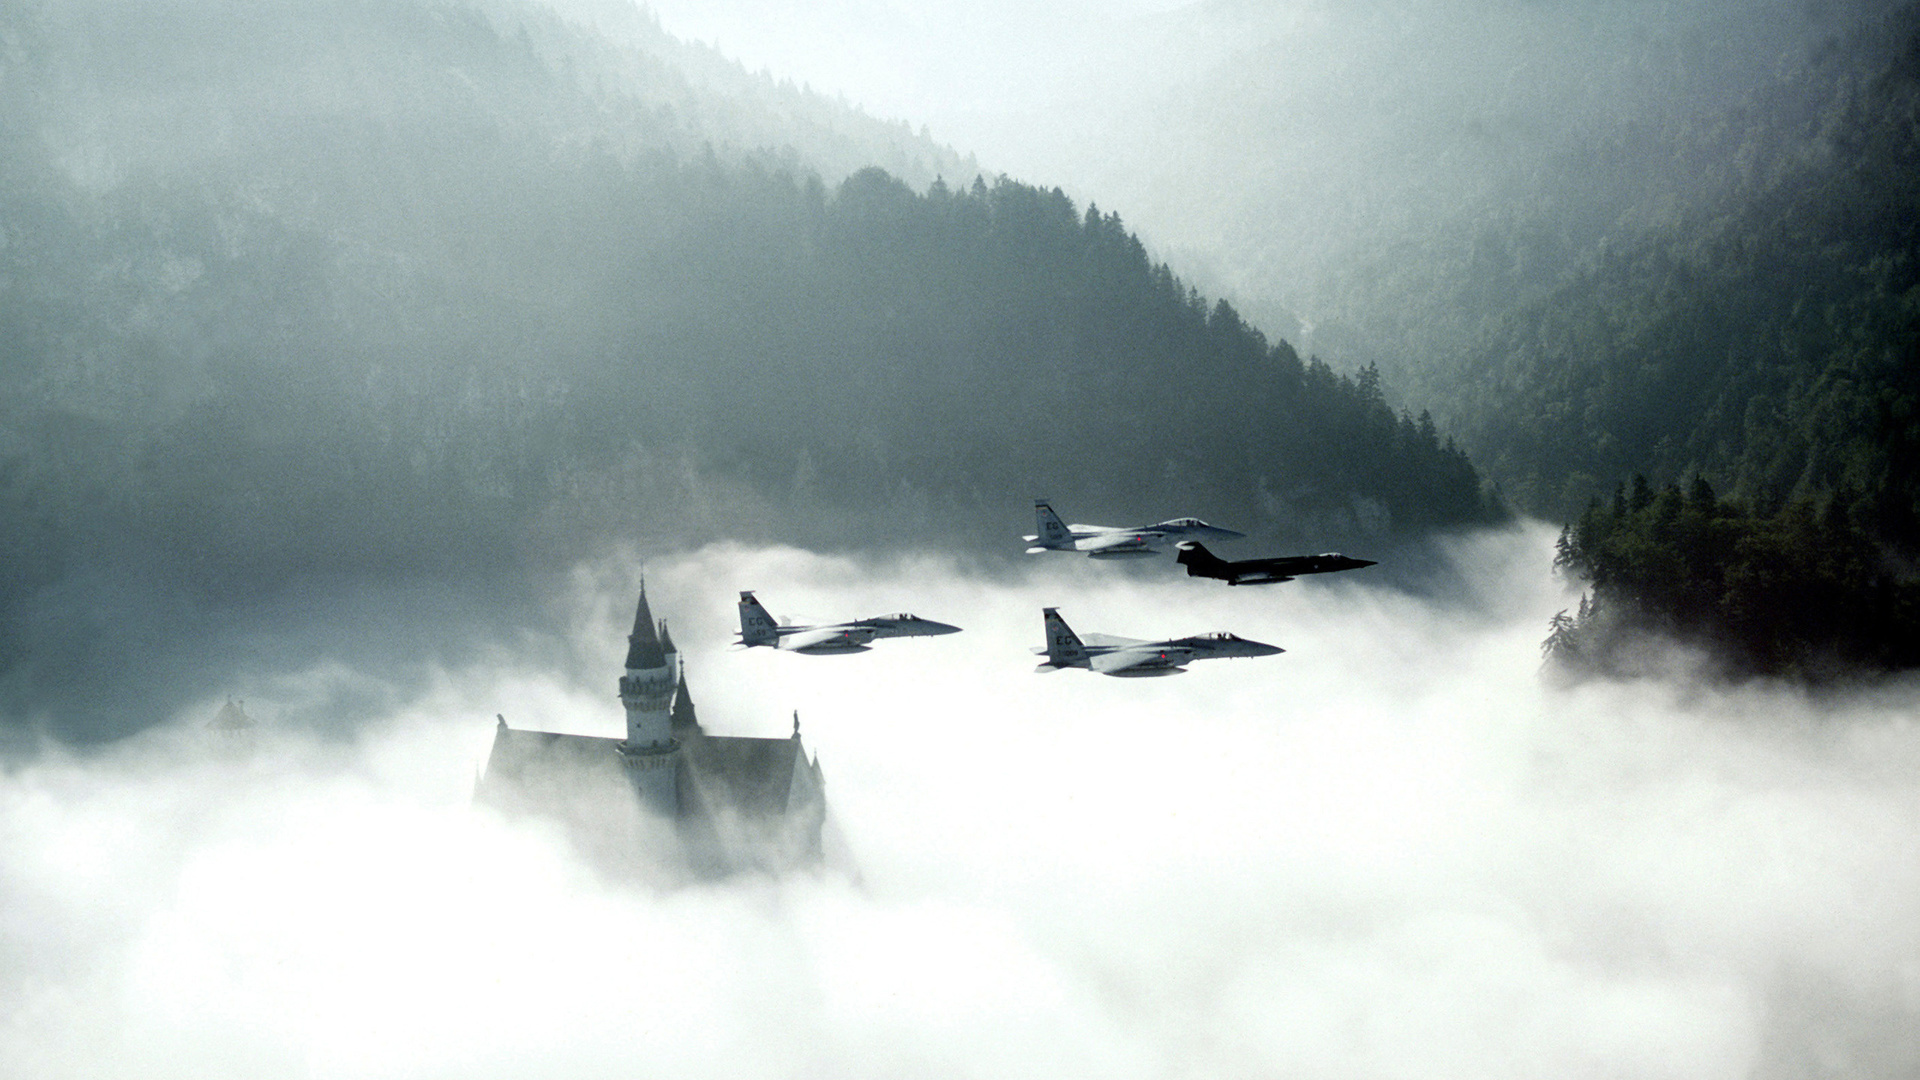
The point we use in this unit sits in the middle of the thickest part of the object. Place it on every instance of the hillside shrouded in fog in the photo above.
(1597, 241)
(1593, 239)
(310, 301)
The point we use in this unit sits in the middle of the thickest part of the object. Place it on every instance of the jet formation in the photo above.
(758, 628)
(1107, 542)
(1130, 657)
(1106, 654)
(1203, 563)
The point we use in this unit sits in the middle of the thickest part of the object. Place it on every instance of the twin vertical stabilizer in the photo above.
(1054, 534)
(1064, 648)
(756, 626)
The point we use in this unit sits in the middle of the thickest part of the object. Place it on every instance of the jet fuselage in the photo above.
(1130, 658)
(1107, 542)
(1203, 563)
(827, 639)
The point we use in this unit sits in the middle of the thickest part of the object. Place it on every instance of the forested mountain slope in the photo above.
(1396, 173)
(1803, 592)
(1761, 352)
(299, 294)
(1766, 340)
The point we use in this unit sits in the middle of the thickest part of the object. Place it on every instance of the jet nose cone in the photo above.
(1261, 648)
(1219, 533)
(1358, 563)
(928, 626)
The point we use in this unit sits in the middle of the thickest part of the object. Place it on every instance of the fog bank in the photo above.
(1390, 851)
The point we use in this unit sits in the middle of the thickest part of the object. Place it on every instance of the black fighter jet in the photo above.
(1203, 563)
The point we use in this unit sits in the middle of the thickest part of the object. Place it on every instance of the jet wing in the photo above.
(1080, 532)
(1120, 541)
(1141, 658)
(815, 637)
(1109, 641)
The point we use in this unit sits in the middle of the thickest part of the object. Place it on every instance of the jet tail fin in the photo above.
(1053, 533)
(756, 626)
(1199, 562)
(1064, 648)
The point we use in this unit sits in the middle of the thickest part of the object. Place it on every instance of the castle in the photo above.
(715, 804)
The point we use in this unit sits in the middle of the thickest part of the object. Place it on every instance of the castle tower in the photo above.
(232, 729)
(650, 753)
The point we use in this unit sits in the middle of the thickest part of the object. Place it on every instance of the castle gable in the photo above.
(543, 768)
(751, 776)
(577, 782)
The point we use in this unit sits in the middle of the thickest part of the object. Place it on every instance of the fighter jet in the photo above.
(758, 628)
(1203, 563)
(1132, 658)
(1105, 542)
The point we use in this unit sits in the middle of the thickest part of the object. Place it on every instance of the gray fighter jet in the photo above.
(1203, 563)
(1106, 542)
(1129, 657)
(758, 628)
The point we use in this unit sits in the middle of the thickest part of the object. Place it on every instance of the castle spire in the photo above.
(684, 720)
(643, 645)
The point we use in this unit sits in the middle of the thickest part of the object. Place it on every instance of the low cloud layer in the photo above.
(1390, 851)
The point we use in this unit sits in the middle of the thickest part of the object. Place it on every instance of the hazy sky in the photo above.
(1011, 80)
(1271, 148)
(1391, 851)
(999, 78)
(914, 60)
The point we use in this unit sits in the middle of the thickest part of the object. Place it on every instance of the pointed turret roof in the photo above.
(643, 645)
(231, 718)
(683, 718)
(666, 639)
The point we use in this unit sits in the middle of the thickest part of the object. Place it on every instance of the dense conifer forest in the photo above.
(1765, 341)
(1802, 592)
